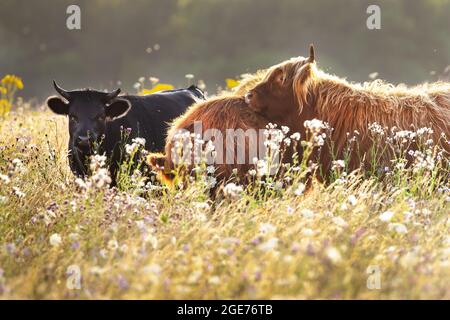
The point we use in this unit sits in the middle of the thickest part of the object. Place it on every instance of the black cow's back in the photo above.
(149, 118)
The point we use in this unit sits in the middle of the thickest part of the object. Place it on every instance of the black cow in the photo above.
(98, 119)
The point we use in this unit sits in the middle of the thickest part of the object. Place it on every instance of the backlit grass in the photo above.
(354, 238)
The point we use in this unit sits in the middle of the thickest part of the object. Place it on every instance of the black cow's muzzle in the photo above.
(83, 147)
(83, 141)
(85, 144)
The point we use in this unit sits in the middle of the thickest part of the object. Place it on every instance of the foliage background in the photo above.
(217, 39)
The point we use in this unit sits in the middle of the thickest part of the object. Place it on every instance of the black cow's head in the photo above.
(88, 112)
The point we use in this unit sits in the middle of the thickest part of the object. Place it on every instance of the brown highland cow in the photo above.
(294, 91)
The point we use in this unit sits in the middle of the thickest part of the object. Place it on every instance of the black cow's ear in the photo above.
(58, 106)
(117, 109)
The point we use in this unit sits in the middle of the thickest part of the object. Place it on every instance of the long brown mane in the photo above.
(349, 107)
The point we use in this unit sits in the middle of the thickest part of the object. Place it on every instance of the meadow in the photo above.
(356, 237)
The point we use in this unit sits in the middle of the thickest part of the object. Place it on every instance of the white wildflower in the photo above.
(113, 245)
(152, 268)
(285, 129)
(307, 213)
(340, 222)
(269, 245)
(74, 236)
(139, 141)
(103, 253)
(315, 125)
(338, 164)
(386, 216)
(200, 217)
(18, 192)
(101, 178)
(97, 161)
(215, 280)
(300, 189)
(267, 228)
(18, 165)
(287, 141)
(376, 129)
(55, 240)
(194, 276)
(424, 130)
(152, 240)
(233, 191)
(201, 205)
(398, 228)
(96, 270)
(352, 200)
(81, 183)
(5, 179)
(333, 254)
(295, 136)
(211, 182)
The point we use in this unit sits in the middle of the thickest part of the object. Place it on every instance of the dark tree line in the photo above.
(215, 39)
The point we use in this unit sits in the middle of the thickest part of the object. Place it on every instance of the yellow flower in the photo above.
(3, 91)
(5, 79)
(12, 80)
(159, 87)
(19, 83)
(231, 83)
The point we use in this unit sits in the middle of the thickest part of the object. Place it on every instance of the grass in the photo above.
(356, 238)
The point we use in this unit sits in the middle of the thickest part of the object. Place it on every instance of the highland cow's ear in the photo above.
(280, 77)
(306, 71)
(58, 106)
(312, 54)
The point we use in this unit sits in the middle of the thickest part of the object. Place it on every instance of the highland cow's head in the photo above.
(283, 92)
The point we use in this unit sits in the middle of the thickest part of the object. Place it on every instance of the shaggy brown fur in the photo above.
(295, 91)
(228, 111)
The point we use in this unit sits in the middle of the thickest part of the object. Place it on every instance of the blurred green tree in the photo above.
(217, 39)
